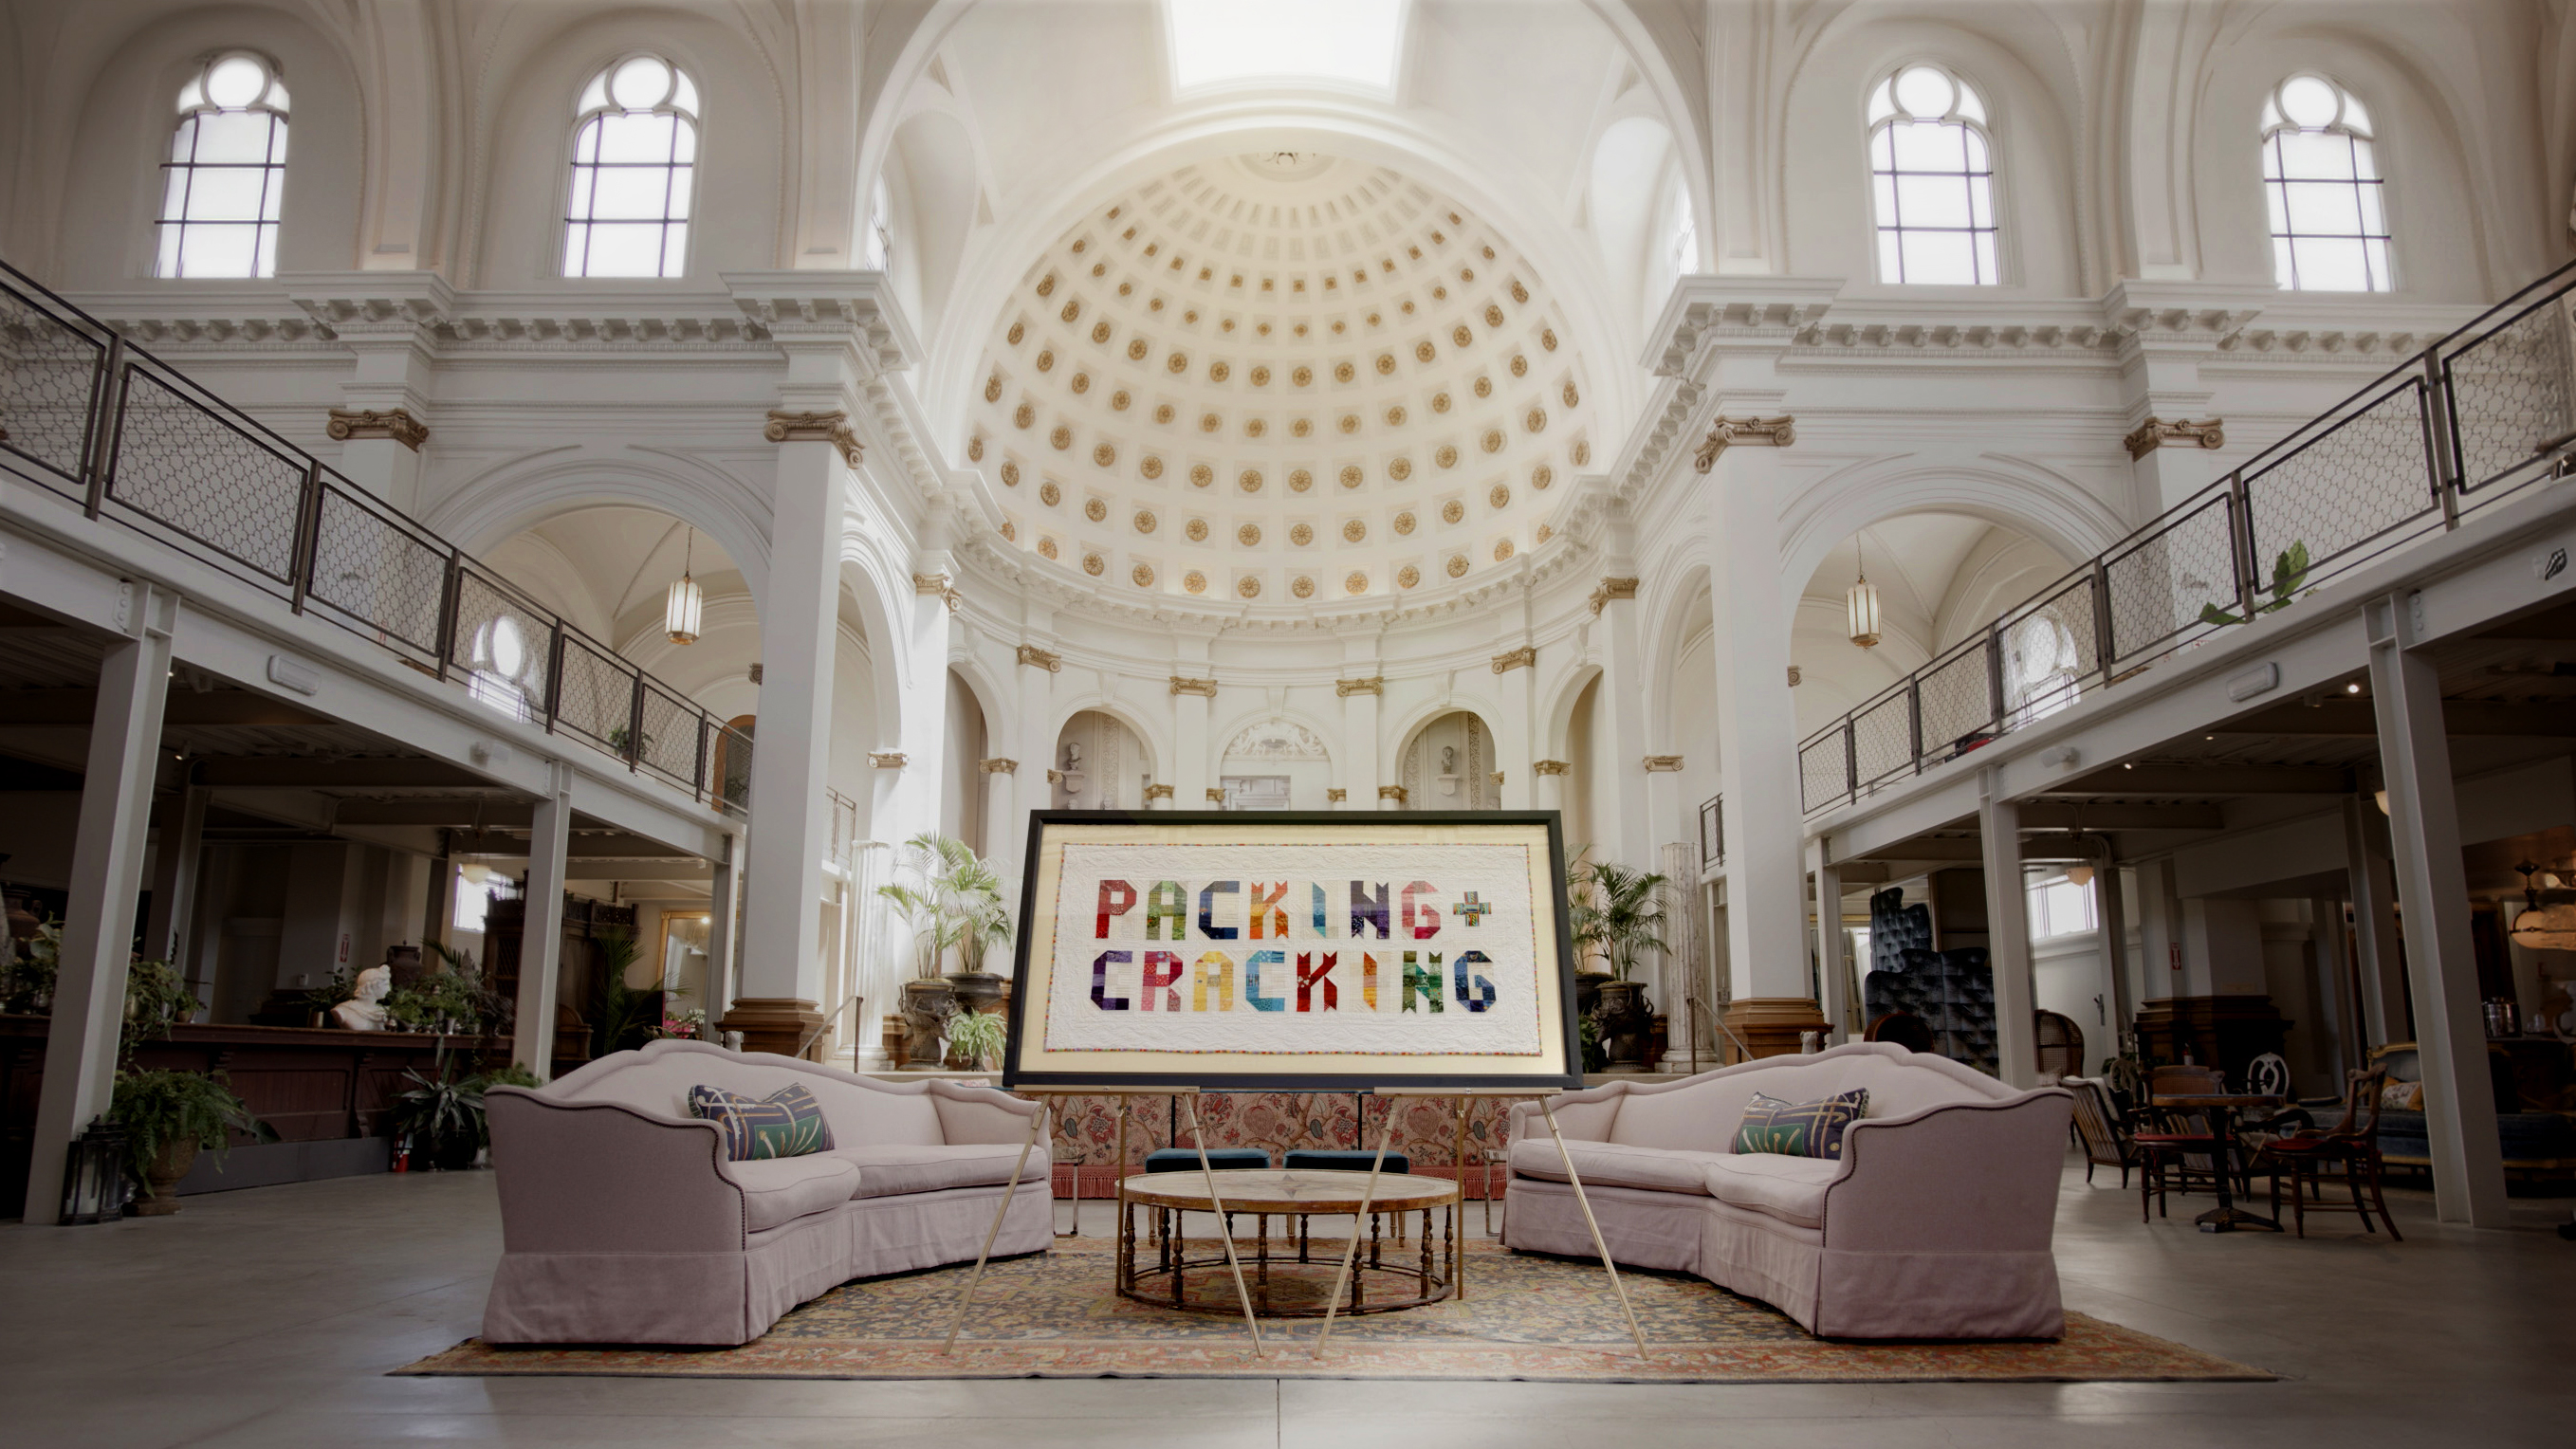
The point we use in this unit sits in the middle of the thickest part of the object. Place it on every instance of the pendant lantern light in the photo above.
(686, 605)
(2548, 918)
(1860, 605)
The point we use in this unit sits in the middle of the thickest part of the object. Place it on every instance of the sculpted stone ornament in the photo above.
(365, 1011)
(2154, 433)
(1663, 764)
(1777, 432)
(348, 425)
(1525, 657)
(1000, 767)
(1158, 792)
(830, 427)
(935, 585)
(887, 759)
(1345, 688)
(1551, 767)
(1612, 589)
(1205, 688)
(1050, 662)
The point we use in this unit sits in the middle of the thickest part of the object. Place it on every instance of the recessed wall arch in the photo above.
(1157, 743)
(2049, 506)
(519, 494)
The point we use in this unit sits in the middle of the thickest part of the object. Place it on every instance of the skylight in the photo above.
(1347, 42)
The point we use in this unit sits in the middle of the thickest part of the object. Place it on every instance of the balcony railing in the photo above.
(107, 426)
(2476, 416)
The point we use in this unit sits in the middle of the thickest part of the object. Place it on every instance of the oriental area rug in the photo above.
(1056, 1315)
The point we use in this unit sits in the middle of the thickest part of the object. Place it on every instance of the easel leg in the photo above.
(1217, 1206)
(966, 1299)
(1576, 1180)
(1350, 1249)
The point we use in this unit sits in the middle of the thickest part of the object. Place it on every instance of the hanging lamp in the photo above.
(2548, 918)
(1860, 605)
(686, 605)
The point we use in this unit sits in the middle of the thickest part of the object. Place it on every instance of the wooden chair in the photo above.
(2179, 1149)
(2100, 1130)
(2310, 1159)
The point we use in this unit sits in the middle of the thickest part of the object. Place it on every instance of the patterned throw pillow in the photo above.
(1800, 1129)
(786, 1123)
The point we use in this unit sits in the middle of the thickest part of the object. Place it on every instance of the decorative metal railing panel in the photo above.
(90, 417)
(2487, 409)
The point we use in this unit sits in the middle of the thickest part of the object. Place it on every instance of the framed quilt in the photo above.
(1294, 950)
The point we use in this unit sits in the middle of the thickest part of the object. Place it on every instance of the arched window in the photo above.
(634, 159)
(1932, 178)
(2322, 187)
(878, 246)
(2041, 665)
(227, 170)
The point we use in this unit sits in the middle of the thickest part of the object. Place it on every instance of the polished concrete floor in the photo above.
(268, 1318)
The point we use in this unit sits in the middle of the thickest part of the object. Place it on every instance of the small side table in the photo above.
(2221, 1109)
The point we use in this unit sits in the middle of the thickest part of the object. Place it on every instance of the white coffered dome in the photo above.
(1281, 379)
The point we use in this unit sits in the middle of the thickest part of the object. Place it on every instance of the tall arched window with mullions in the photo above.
(2321, 185)
(221, 187)
(1932, 180)
(634, 164)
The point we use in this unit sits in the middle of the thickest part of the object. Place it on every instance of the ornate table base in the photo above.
(1285, 1285)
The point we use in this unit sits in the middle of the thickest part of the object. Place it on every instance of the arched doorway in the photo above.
(1276, 764)
(1099, 764)
(1449, 765)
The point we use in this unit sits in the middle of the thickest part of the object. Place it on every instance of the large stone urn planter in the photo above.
(160, 1195)
(1626, 1021)
(928, 1002)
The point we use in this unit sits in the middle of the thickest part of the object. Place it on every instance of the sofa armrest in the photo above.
(969, 1113)
(1584, 1116)
(1959, 1177)
(602, 1177)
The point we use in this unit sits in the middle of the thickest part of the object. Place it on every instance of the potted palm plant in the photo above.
(1618, 914)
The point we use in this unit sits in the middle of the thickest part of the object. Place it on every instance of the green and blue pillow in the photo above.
(786, 1123)
(1800, 1129)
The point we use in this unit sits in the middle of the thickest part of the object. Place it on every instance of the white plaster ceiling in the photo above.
(1281, 377)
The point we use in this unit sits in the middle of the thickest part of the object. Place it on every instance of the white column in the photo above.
(2371, 877)
(2008, 936)
(1193, 766)
(1639, 809)
(106, 876)
(2115, 947)
(781, 989)
(1037, 732)
(1004, 822)
(1757, 749)
(1550, 781)
(724, 930)
(1830, 969)
(541, 938)
(2424, 827)
(174, 878)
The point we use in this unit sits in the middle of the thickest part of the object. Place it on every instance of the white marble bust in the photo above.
(365, 1011)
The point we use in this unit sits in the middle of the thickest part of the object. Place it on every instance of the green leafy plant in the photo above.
(28, 970)
(2289, 575)
(158, 1108)
(454, 1001)
(1614, 913)
(953, 901)
(1596, 1057)
(623, 1017)
(341, 985)
(978, 1036)
(157, 997)
(442, 1113)
(516, 1074)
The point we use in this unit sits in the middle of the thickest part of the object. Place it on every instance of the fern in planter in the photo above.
(169, 1117)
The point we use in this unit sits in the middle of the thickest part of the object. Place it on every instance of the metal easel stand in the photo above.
(966, 1298)
(1368, 1195)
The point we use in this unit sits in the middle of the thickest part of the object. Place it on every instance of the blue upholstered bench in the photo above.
(1223, 1159)
(1335, 1159)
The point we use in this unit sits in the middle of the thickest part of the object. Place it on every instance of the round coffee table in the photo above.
(1285, 1286)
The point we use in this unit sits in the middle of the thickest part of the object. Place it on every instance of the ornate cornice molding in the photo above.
(1777, 432)
(1395, 793)
(348, 425)
(1374, 684)
(821, 427)
(1551, 767)
(1051, 662)
(888, 759)
(1525, 657)
(998, 766)
(2154, 433)
(937, 585)
(1663, 764)
(1158, 792)
(1623, 588)
(1205, 688)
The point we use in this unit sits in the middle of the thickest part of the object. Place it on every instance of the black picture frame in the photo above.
(1271, 1078)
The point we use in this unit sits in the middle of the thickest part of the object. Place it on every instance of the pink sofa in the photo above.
(622, 1221)
(1934, 1223)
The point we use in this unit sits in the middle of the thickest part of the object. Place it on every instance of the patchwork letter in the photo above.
(1267, 917)
(1365, 909)
(1215, 969)
(1422, 981)
(1116, 896)
(1100, 996)
(1480, 994)
(1310, 976)
(1252, 965)
(1368, 980)
(1161, 971)
(1421, 918)
(1168, 900)
(1323, 931)
(1207, 909)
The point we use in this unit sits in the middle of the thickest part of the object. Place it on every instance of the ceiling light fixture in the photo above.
(1860, 604)
(2353, 688)
(2548, 918)
(686, 606)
